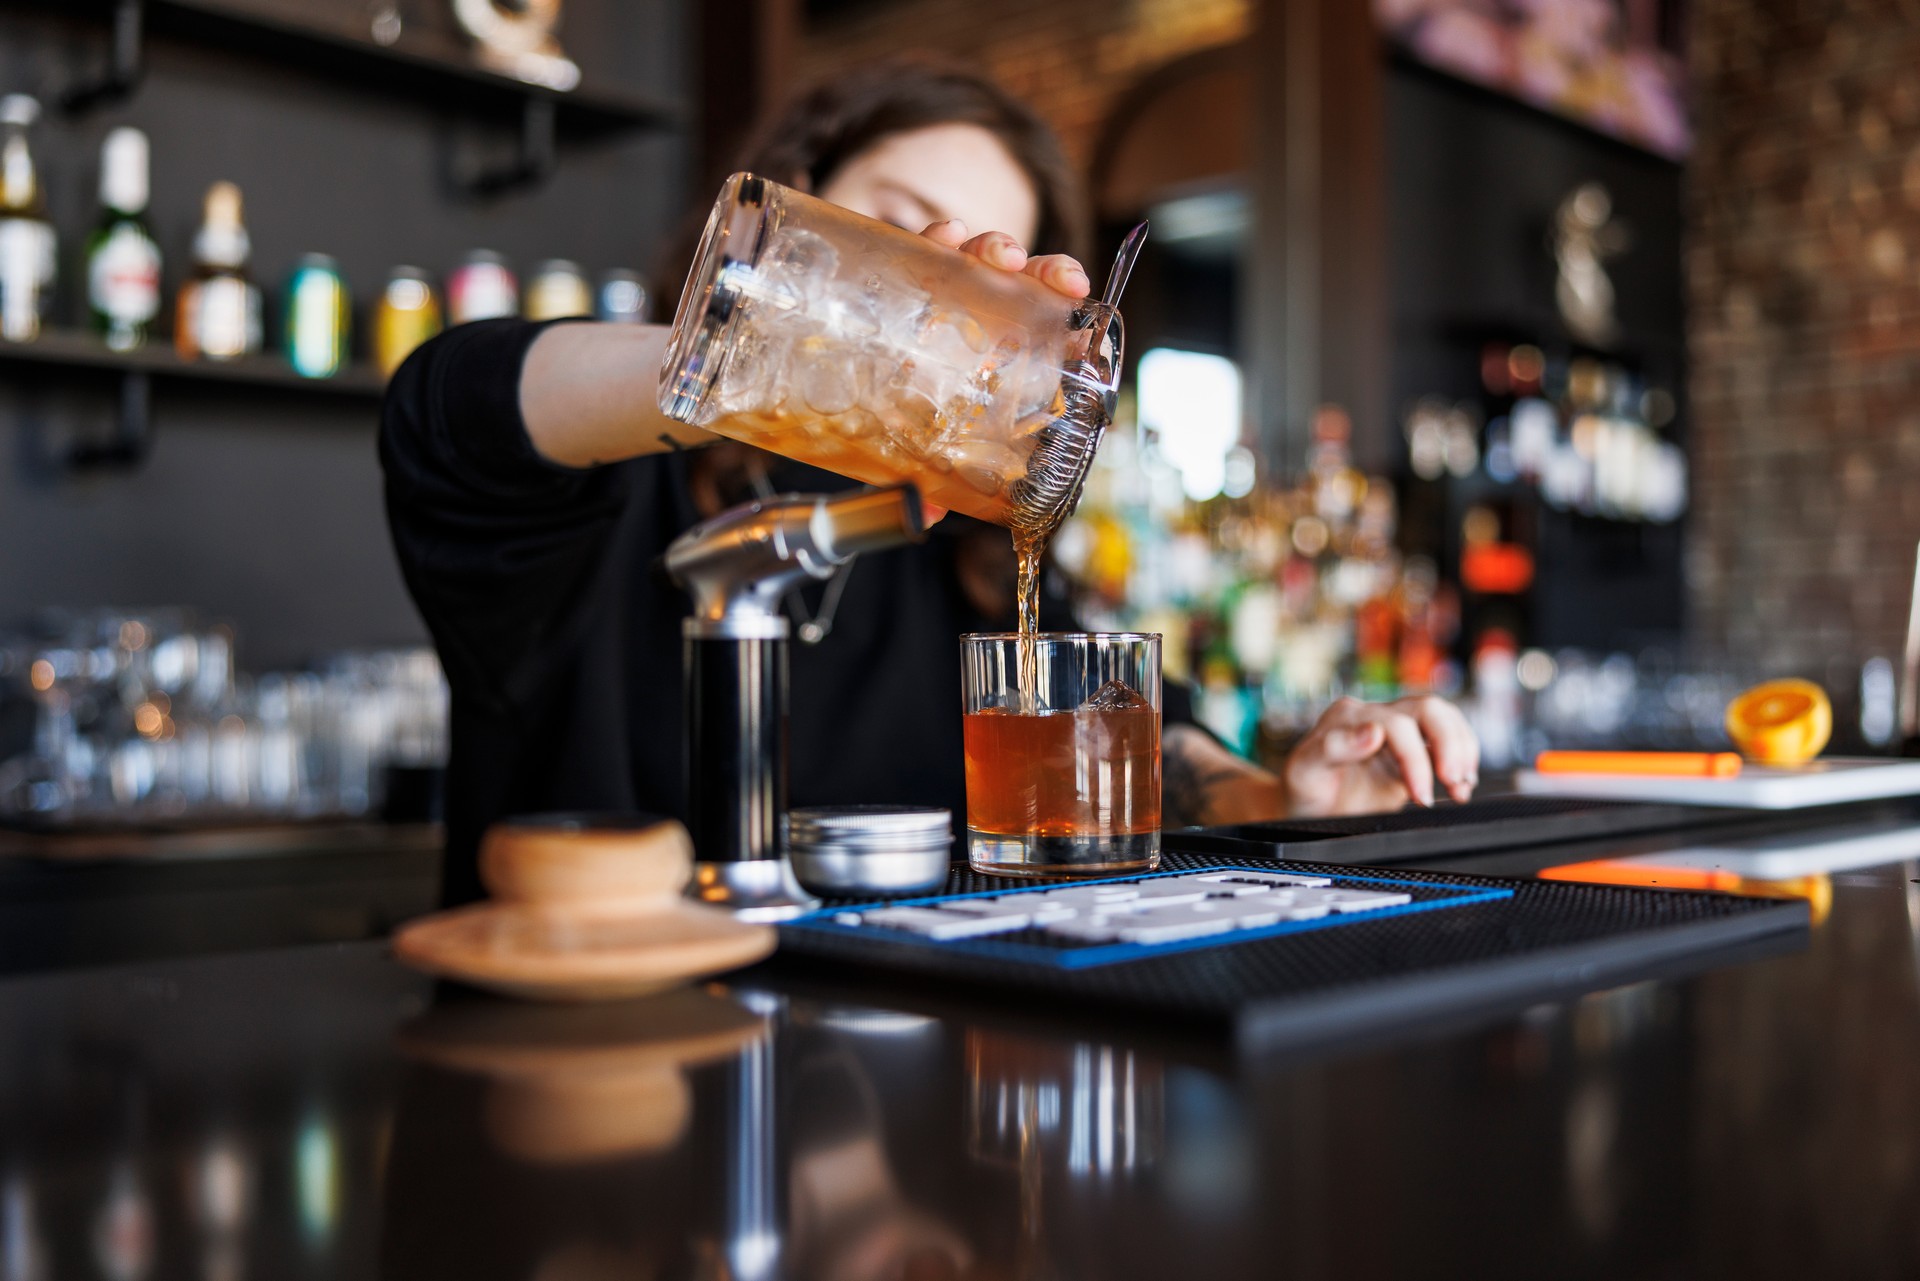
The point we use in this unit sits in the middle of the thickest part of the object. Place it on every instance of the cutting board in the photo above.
(1833, 780)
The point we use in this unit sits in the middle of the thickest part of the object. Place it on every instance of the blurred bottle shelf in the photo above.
(430, 66)
(79, 352)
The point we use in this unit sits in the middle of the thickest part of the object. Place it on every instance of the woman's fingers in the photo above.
(996, 248)
(1059, 272)
(1366, 754)
(952, 233)
(1349, 745)
(1408, 747)
(1056, 271)
(1455, 749)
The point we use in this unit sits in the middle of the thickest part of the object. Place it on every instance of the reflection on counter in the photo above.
(1783, 865)
(575, 1084)
(608, 1101)
(111, 717)
(1097, 1110)
(320, 1112)
(1655, 872)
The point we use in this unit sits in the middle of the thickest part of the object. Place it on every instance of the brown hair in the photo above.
(823, 128)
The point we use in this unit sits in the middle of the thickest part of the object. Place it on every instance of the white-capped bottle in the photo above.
(27, 242)
(123, 259)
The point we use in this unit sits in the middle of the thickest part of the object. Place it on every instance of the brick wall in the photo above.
(1072, 59)
(1803, 272)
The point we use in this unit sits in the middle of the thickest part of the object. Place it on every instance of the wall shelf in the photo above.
(131, 375)
(428, 65)
(68, 350)
(431, 67)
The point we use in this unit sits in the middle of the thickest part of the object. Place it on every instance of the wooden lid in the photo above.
(585, 909)
(615, 863)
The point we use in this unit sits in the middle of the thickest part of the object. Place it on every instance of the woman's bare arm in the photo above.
(589, 394)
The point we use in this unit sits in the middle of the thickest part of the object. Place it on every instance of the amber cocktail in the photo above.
(1063, 753)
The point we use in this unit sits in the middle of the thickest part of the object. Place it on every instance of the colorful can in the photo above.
(317, 316)
(558, 290)
(481, 289)
(408, 315)
(623, 298)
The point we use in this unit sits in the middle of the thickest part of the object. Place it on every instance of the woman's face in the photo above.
(940, 172)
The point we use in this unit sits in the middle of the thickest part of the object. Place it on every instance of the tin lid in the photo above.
(875, 827)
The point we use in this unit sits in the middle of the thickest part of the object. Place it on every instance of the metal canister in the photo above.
(622, 299)
(408, 315)
(843, 851)
(481, 289)
(558, 289)
(317, 312)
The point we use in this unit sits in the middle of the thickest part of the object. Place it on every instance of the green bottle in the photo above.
(123, 259)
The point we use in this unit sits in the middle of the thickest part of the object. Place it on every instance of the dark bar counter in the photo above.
(314, 1110)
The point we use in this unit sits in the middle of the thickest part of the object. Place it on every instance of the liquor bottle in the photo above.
(27, 242)
(123, 259)
(219, 313)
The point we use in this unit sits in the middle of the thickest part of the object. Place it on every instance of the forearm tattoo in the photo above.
(1188, 781)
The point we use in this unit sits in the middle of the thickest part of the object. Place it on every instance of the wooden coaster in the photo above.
(583, 910)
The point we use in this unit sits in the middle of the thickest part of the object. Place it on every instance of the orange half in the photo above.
(1781, 722)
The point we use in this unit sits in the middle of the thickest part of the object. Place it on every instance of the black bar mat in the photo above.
(1492, 945)
(1500, 822)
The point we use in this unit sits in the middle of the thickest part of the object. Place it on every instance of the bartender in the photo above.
(532, 483)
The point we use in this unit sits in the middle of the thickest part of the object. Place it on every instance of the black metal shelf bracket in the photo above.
(126, 62)
(539, 152)
(132, 438)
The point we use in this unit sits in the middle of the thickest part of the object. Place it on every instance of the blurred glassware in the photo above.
(111, 717)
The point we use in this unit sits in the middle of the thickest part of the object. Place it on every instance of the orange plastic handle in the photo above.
(1666, 764)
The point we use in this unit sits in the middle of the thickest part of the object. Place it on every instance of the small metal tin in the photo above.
(881, 851)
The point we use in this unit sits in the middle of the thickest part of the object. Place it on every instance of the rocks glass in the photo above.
(1063, 752)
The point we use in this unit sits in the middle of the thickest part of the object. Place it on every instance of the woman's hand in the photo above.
(1363, 758)
(999, 249)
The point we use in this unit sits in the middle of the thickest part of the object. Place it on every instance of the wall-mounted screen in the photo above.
(1614, 65)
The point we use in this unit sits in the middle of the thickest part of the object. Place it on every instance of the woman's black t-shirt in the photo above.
(561, 637)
